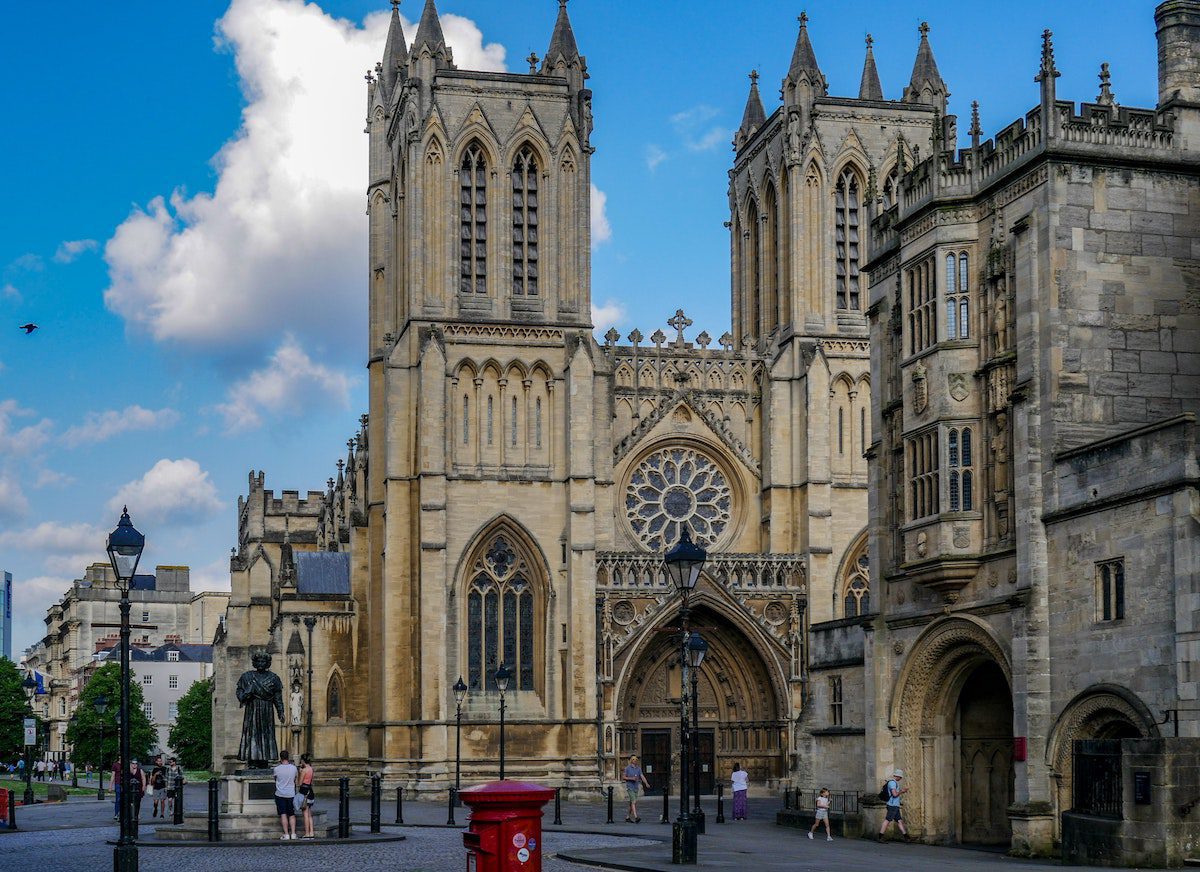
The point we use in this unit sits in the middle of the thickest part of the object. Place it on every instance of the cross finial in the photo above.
(870, 40)
(532, 61)
(395, 5)
(562, 4)
(754, 78)
(370, 78)
(803, 19)
(924, 28)
(679, 322)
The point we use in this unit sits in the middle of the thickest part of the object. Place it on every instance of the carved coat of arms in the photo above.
(959, 388)
(920, 389)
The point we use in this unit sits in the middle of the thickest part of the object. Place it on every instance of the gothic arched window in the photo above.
(960, 455)
(501, 616)
(846, 237)
(525, 223)
(754, 321)
(333, 698)
(472, 181)
(890, 189)
(856, 589)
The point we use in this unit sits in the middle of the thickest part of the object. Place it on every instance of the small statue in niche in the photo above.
(260, 693)
(296, 704)
(793, 136)
(1000, 321)
(999, 448)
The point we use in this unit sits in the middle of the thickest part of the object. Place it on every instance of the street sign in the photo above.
(30, 731)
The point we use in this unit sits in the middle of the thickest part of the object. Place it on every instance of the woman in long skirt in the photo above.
(741, 788)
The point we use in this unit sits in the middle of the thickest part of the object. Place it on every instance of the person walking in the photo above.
(822, 814)
(740, 781)
(117, 782)
(136, 784)
(634, 779)
(285, 795)
(306, 791)
(894, 794)
(158, 787)
(174, 777)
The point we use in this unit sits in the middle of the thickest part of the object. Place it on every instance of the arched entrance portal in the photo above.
(741, 717)
(985, 773)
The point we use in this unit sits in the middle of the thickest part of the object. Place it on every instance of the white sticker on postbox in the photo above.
(519, 840)
(523, 855)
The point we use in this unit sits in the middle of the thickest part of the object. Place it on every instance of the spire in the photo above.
(1105, 97)
(870, 88)
(429, 31)
(926, 85)
(804, 62)
(395, 51)
(563, 41)
(754, 117)
(976, 131)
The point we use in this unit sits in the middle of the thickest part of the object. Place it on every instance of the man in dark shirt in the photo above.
(158, 787)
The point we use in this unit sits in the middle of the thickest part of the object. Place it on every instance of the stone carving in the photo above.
(999, 448)
(922, 547)
(898, 647)
(793, 136)
(962, 536)
(1000, 322)
(296, 704)
(920, 388)
(624, 612)
(775, 613)
(260, 693)
(959, 389)
(673, 487)
(998, 387)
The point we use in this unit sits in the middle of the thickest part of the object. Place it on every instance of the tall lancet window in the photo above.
(755, 260)
(846, 236)
(472, 181)
(500, 616)
(525, 223)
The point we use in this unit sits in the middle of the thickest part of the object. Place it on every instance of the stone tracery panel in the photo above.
(673, 487)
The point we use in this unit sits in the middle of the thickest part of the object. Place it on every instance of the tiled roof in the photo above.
(323, 572)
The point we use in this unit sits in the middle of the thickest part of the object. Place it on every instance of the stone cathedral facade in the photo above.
(511, 492)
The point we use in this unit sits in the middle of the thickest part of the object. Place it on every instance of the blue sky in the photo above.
(183, 197)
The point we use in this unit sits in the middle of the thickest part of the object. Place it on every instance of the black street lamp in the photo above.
(696, 649)
(683, 563)
(503, 676)
(74, 725)
(124, 548)
(100, 704)
(460, 693)
(30, 687)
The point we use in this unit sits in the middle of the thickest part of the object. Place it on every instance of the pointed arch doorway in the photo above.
(741, 718)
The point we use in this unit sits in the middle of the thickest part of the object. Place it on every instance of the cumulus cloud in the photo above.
(13, 504)
(99, 426)
(601, 229)
(289, 383)
(17, 441)
(52, 537)
(171, 491)
(213, 576)
(283, 235)
(696, 129)
(73, 248)
(607, 314)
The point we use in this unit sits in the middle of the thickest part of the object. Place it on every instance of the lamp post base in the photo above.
(698, 820)
(683, 841)
(125, 858)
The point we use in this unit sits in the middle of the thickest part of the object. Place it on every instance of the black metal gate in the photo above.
(1096, 777)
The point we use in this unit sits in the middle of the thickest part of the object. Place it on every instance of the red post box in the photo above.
(504, 833)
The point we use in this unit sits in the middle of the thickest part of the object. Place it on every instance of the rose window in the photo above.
(674, 487)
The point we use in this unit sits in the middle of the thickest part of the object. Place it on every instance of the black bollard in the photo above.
(177, 814)
(610, 800)
(720, 803)
(12, 809)
(214, 807)
(376, 797)
(450, 801)
(399, 805)
(558, 806)
(343, 808)
(666, 815)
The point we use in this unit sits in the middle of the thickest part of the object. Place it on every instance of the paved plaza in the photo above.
(76, 835)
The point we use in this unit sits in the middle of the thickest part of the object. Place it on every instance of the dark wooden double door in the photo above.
(656, 761)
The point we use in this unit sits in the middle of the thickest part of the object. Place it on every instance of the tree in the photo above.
(191, 734)
(14, 708)
(84, 735)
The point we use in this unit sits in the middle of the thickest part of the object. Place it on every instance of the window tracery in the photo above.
(525, 223)
(846, 236)
(472, 179)
(674, 487)
(500, 616)
(856, 589)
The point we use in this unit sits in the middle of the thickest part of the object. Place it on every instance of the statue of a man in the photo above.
(296, 704)
(260, 693)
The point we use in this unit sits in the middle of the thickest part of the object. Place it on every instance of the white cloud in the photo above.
(51, 537)
(214, 576)
(13, 504)
(283, 235)
(73, 248)
(290, 382)
(654, 156)
(608, 314)
(695, 130)
(23, 441)
(601, 229)
(171, 491)
(9, 292)
(52, 478)
(99, 426)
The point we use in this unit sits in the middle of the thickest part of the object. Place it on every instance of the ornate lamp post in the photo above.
(74, 724)
(683, 563)
(100, 704)
(503, 676)
(460, 693)
(124, 548)
(696, 649)
(30, 687)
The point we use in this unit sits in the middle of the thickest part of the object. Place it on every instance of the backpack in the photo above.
(884, 793)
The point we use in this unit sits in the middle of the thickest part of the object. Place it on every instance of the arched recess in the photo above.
(504, 584)
(1102, 711)
(742, 690)
(848, 228)
(752, 240)
(335, 695)
(923, 717)
(771, 260)
(852, 594)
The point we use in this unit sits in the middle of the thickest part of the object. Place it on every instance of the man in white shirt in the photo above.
(285, 795)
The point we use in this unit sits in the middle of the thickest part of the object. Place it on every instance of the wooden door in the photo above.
(656, 759)
(708, 764)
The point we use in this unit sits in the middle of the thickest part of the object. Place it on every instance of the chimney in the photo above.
(1178, 23)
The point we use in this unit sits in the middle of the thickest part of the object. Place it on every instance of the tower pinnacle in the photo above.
(926, 85)
(870, 88)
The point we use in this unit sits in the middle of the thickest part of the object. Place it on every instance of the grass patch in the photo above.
(40, 788)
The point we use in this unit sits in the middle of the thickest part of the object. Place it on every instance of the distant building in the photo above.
(84, 627)
(166, 673)
(6, 618)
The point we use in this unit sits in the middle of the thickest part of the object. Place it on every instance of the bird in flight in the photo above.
(28, 328)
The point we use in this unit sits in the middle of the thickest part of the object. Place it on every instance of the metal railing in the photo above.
(805, 799)
(1096, 777)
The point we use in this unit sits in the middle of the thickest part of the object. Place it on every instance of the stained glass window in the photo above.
(856, 590)
(503, 630)
(676, 487)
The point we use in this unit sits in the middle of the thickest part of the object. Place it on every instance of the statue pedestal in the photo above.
(249, 792)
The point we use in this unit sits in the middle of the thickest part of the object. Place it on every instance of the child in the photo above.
(822, 814)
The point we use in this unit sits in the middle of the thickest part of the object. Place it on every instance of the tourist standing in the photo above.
(285, 796)
(822, 814)
(894, 794)
(117, 782)
(634, 779)
(306, 791)
(174, 778)
(136, 783)
(741, 790)
(158, 787)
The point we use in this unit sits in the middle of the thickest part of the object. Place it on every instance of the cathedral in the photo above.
(955, 406)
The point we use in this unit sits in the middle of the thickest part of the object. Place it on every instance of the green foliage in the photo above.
(14, 708)
(85, 733)
(191, 734)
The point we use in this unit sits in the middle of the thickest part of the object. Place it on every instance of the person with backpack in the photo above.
(158, 787)
(892, 792)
